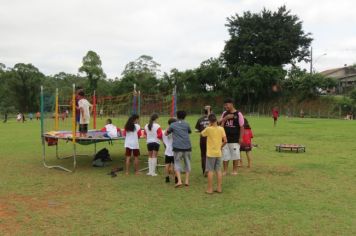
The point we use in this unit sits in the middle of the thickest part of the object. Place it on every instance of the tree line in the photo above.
(250, 69)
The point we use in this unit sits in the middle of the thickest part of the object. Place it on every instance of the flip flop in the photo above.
(178, 185)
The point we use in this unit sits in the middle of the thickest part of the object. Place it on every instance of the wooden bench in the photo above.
(290, 147)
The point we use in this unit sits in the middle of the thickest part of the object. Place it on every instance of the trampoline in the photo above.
(52, 138)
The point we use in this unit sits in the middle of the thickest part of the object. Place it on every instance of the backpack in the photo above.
(101, 157)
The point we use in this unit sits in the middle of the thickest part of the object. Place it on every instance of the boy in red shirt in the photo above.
(246, 145)
(275, 115)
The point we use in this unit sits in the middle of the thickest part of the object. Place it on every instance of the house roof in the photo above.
(350, 71)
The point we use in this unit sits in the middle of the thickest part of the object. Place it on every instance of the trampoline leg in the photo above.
(44, 158)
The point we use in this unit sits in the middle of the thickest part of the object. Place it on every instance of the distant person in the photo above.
(101, 113)
(275, 115)
(38, 115)
(63, 115)
(153, 133)
(301, 113)
(169, 155)
(216, 140)
(5, 117)
(182, 147)
(67, 113)
(30, 116)
(132, 134)
(201, 124)
(19, 117)
(233, 122)
(84, 108)
(246, 145)
(23, 117)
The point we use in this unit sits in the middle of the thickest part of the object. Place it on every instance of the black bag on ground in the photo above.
(101, 157)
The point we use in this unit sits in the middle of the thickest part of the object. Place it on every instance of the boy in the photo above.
(181, 147)
(83, 106)
(169, 156)
(216, 140)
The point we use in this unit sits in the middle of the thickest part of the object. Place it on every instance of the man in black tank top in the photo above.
(233, 122)
(202, 123)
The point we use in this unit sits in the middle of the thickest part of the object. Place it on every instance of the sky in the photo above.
(54, 35)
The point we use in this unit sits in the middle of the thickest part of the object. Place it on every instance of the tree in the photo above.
(91, 66)
(143, 72)
(24, 84)
(267, 38)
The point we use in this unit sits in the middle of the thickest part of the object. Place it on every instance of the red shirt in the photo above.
(275, 113)
(247, 136)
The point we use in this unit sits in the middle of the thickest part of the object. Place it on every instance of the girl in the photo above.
(246, 145)
(132, 133)
(153, 133)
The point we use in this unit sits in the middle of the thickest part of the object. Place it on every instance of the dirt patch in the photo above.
(281, 170)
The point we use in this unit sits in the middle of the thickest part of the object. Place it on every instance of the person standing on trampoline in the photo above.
(84, 109)
(132, 133)
(153, 133)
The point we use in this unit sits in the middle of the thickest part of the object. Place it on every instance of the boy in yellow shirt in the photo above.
(216, 139)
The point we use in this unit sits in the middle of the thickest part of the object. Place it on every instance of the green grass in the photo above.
(310, 193)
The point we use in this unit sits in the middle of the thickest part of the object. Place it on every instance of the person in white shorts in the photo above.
(233, 122)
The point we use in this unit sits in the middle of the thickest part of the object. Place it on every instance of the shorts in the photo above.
(169, 159)
(129, 152)
(185, 156)
(231, 151)
(83, 128)
(245, 148)
(275, 118)
(153, 147)
(213, 164)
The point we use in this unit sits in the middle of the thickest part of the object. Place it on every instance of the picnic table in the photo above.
(290, 147)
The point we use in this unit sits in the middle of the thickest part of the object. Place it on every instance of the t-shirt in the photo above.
(215, 135)
(131, 139)
(111, 130)
(247, 136)
(180, 131)
(168, 141)
(202, 123)
(232, 126)
(153, 135)
(84, 104)
(275, 113)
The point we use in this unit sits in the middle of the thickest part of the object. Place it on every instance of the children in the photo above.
(132, 132)
(84, 120)
(216, 140)
(275, 115)
(153, 133)
(246, 145)
(169, 156)
(181, 147)
(111, 130)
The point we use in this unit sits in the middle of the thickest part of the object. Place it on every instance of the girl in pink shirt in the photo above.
(246, 145)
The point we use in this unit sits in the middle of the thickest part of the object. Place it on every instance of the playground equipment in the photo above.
(54, 131)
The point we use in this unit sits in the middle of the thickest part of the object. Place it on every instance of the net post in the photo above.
(94, 111)
(56, 117)
(73, 115)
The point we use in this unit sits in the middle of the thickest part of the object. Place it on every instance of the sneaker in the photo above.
(153, 174)
(167, 179)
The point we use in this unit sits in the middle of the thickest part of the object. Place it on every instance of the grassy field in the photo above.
(310, 193)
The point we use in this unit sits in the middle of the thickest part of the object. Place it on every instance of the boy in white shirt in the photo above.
(84, 107)
(169, 155)
(111, 130)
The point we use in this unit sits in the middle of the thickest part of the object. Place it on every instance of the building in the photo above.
(346, 77)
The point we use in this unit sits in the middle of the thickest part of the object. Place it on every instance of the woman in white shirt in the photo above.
(153, 133)
(132, 134)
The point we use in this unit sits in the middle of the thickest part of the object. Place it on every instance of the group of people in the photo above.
(221, 141)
